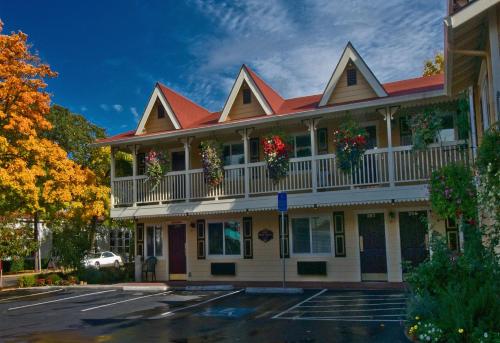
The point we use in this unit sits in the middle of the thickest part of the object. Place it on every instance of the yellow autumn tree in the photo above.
(37, 180)
(434, 67)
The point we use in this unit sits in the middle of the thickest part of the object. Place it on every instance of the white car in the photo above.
(103, 259)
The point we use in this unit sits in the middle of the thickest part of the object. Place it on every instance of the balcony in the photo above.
(380, 168)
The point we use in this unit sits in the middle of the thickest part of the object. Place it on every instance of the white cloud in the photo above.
(134, 112)
(118, 107)
(104, 107)
(296, 45)
(83, 109)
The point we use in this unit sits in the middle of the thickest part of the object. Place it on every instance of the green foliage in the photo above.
(424, 127)
(71, 242)
(157, 165)
(106, 275)
(123, 164)
(213, 165)
(488, 154)
(27, 281)
(350, 142)
(17, 264)
(452, 192)
(16, 238)
(54, 279)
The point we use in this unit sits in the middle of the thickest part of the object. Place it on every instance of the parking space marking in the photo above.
(333, 305)
(366, 296)
(300, 303)
(198, 304)
(58, 300)
(124, 301)
(30, 295)
(356, 310)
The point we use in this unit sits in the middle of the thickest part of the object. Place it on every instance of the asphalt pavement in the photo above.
(113, 315)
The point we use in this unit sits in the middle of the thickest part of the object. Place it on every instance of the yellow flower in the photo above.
(417, 318)
(460, 330)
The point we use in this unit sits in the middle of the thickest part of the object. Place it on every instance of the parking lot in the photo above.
(113, 315)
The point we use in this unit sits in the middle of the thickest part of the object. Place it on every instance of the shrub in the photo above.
(40, 282)
(104, 275)
(54, 279)
(17, 264)
(27, 281)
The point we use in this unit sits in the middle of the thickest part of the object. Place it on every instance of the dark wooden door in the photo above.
(372, 246)
(413, 231)
(177, 249)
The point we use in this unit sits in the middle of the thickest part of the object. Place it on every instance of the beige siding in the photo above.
(266, 263)
(343, 93)
(241, 111)
(155, 124)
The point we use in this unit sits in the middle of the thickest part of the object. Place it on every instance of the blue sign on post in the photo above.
(282, 202)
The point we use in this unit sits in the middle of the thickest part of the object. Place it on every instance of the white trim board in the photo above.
(157, 94)
(350, 54)
(244, 76)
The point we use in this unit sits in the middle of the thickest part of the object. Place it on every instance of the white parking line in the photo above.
(124, 301)
(344, 320)
(30, 295)
(355, 305)
(354, 300)
(357, 310)
(300, 303)
(198, 304)
(58, 300)
(365, 296)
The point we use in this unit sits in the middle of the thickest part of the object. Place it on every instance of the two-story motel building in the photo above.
(339, 227)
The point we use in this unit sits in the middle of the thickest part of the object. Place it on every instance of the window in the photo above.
(254, 149)
(452, 235)
(119, 242)
(371, 141)
(161, 111)
(405, 136)
(224, 238)
(447, 131)
(311, 235)
(141, 163)
(247, 96)
(351, 77)
(154, 242)
(233, 154)
(302, 146)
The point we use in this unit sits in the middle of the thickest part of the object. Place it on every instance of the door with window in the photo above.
(177, 251)
(414, 238)
(372, 247)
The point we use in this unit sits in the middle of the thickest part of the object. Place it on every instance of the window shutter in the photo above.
(254, 149)
(339, 233)
(139, 237)
(287, 234)
(200, 239)
(141, 163)
(247, 238)
(322, 140)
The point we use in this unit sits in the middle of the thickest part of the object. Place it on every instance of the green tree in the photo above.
(434, 67)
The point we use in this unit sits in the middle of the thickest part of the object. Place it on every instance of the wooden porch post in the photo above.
(388, 113)
(112, 177)
(187, 166)
(245, 135)
(134, 175)
(311, 126)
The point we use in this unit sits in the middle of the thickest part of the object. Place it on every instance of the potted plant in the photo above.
(424, 126)
(156, 167)
(213, 168)
(276, 156)
(350, 142)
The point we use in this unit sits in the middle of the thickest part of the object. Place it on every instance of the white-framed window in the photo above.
(311, 235)
(154, 240)
(447, 132)
(302, 145)
(224, 238)
(119, 241)
(233, 153)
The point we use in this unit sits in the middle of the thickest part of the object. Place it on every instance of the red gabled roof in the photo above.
(186, 111)
(272, 97)
(190, 115)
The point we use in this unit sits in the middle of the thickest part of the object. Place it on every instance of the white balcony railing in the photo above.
(374, 170)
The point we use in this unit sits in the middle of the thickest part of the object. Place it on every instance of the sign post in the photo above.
(283, 207)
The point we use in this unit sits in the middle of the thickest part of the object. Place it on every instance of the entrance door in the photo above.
(372, 247)
(177, 251)
(413, 233)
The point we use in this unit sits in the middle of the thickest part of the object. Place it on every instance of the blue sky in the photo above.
(109, 54)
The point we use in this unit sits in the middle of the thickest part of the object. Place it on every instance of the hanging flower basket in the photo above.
(157, 166)
(276, 156)
(213, 168)
(424, 127)
(350, 143)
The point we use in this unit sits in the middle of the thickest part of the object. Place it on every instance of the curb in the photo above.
(273, 290)
(210, 288)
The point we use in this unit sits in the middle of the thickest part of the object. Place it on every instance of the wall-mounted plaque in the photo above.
(265, 235)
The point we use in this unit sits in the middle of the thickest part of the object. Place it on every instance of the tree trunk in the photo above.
(35, 234)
